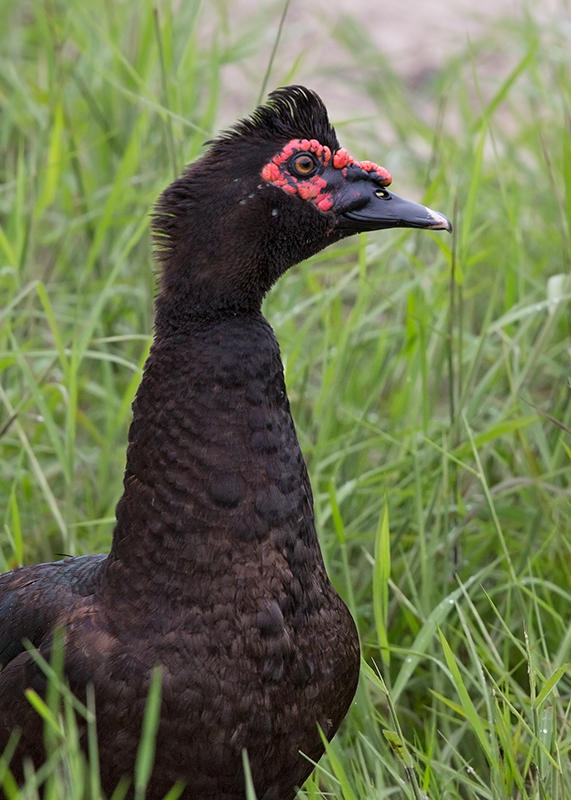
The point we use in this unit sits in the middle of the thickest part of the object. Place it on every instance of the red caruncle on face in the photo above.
(316, 188)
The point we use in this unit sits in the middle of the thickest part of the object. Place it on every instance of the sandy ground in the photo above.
(416, 36)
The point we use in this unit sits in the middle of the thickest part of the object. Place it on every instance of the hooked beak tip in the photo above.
(441, 223)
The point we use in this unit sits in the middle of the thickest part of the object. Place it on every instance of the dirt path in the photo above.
(416, 36)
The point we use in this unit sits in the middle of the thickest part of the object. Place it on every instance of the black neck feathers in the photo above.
(214, 471)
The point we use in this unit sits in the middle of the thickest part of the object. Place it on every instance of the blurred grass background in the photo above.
(428, 375)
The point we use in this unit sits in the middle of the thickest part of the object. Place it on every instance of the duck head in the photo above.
(268, 193)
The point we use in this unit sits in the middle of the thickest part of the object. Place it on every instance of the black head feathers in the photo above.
(291, 112)
(214, 209)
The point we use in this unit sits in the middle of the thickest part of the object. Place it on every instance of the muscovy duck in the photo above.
(215, 571)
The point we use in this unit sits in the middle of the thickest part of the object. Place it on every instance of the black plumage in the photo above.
(215, 571)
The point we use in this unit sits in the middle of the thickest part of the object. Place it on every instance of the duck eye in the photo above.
(303, 165)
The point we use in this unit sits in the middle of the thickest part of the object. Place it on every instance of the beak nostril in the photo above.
(382, 194)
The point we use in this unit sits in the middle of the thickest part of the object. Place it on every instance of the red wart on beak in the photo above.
(354, 191)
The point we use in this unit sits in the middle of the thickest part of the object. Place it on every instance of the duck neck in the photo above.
(215, 477)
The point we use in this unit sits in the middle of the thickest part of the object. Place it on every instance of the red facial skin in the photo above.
(316, 189)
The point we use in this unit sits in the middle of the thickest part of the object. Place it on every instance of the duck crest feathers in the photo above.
(291, 112)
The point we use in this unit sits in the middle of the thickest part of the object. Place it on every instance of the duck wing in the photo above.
(33, 599)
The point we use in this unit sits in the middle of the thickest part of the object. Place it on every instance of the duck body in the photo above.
(248, 630)
(215, 572)
(265, 635)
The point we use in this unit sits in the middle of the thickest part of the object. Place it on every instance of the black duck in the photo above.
(215, 571)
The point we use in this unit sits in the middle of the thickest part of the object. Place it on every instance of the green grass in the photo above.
(428, 375)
